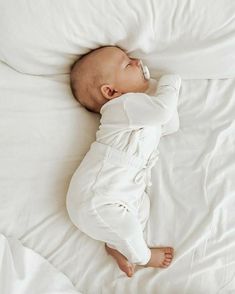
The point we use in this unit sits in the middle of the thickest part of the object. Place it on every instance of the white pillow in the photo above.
(192, 38)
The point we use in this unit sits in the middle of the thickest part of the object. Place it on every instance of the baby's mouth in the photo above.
(145, 71)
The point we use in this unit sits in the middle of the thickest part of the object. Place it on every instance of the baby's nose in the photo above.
(136, 61)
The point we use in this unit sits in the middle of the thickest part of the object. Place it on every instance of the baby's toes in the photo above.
(166, 262)
(130, 270)
(169, 250)
(168, 255)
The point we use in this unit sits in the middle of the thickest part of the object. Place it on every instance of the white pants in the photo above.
(112, 220)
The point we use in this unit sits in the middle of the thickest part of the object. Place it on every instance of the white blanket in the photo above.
(23, 271)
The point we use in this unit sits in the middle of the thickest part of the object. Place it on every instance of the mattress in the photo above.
(45, 133)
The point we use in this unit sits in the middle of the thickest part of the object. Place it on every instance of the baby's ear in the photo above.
(109, 92)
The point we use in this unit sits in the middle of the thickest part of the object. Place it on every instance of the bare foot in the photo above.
(122, 261)
(160, 257)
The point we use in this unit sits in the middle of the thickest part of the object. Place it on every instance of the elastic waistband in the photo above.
(117, 156)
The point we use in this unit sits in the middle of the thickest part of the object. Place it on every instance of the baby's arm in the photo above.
(172, 125)
(142, 109)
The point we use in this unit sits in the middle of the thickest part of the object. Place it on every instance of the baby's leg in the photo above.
(143, 210)
(143, 207)
(160, 257)
(122, 261)
(123, 234)
(119, 228)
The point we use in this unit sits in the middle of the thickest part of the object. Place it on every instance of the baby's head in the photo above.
(103, 74)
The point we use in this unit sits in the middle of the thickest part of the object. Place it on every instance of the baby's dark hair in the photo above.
(79, 86)
(73, 70)
(85, 82)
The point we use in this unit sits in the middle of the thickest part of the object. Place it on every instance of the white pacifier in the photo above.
(145, 70)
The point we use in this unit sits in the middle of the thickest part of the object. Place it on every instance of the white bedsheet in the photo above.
(44, 134)
(23, 271)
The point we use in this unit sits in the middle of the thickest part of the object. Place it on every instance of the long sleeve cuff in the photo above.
(170, 80)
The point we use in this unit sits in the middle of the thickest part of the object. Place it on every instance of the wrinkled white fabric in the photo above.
(195, 39)
(23, 271)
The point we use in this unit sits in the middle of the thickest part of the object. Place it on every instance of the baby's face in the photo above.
(125, 73)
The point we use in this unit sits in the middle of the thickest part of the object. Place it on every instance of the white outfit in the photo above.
(107, 196)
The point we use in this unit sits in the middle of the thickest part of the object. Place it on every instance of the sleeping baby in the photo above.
(108, 194)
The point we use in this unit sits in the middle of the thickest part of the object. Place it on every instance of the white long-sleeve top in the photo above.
(135, 122)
